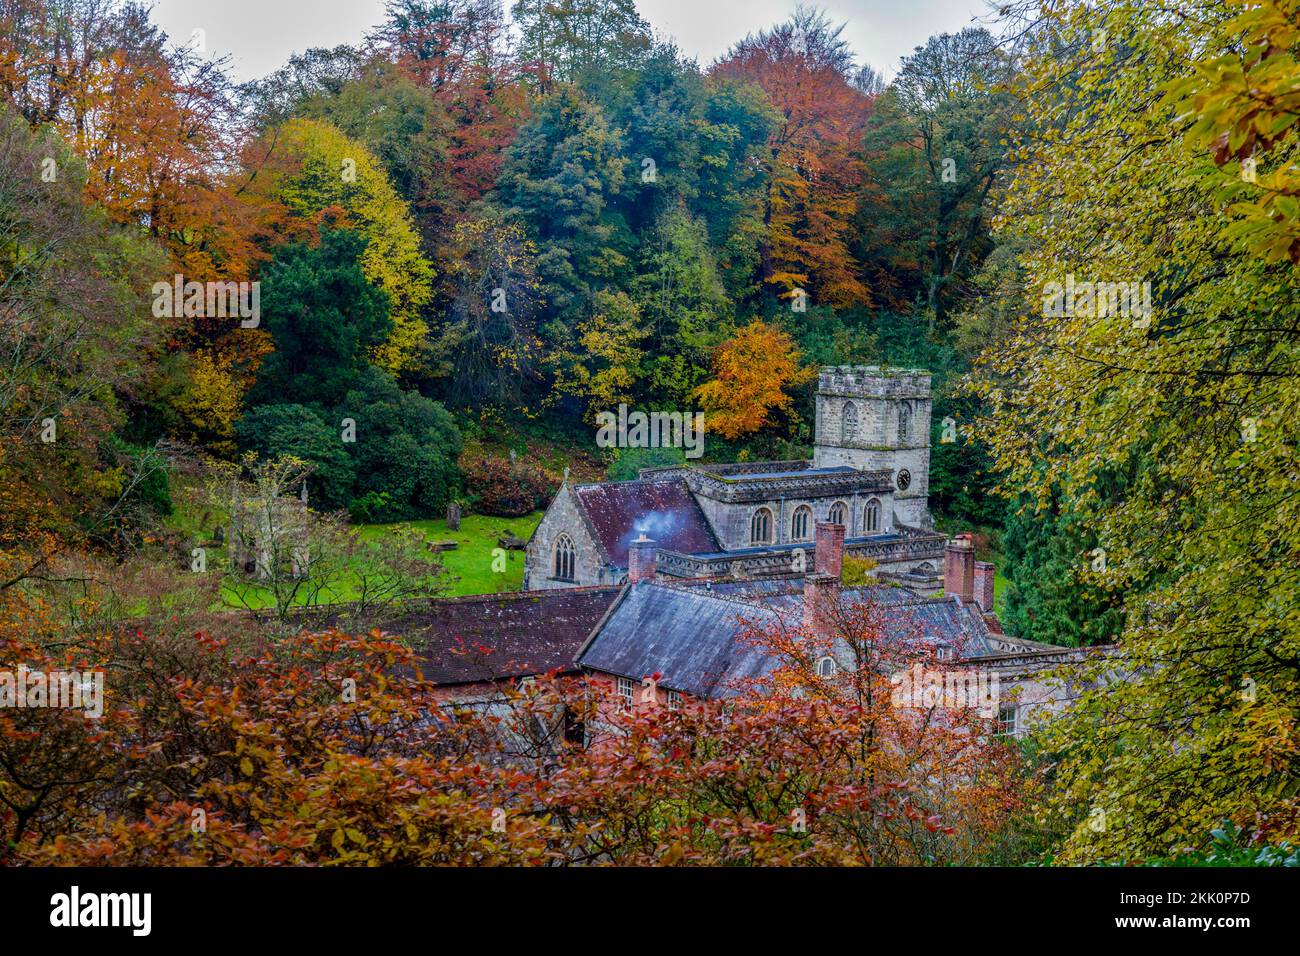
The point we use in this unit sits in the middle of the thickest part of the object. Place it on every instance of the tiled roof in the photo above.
(691, 635)
(686, 635)
(495, 636)
(618, 511)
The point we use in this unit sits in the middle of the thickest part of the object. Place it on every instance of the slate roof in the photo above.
(616, 511)
(486, 637)
(686, 635)
(691, 634)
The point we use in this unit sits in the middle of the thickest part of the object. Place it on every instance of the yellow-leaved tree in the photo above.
(323, 171)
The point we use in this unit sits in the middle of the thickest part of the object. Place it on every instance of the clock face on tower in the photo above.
(903, 479)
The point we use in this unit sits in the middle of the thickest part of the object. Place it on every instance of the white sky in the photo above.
(261, 34)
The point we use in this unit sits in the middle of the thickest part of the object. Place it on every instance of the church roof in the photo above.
(665, 510)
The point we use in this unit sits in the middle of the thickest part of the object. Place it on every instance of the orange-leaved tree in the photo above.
(751, 374)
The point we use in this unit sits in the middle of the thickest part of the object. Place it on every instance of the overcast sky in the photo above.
(260, 35)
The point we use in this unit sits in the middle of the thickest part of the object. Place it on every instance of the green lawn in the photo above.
(469, 565)
(471, 561)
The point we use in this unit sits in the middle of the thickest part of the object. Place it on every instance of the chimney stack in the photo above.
(829, 555)
(642, 558)
(984, 586)
(821, 593)
(959, 568)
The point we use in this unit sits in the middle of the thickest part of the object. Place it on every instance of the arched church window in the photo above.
(566, 558)
(801, 524)
(904, 423)
(760, 527)
(871, 517)
(839, 511)
(849, 423)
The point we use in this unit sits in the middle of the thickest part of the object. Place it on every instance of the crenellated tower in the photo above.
(871, 418)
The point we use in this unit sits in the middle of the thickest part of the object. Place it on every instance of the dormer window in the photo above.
(826, 667)
(943, 652)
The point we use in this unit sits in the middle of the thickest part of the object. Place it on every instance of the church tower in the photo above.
(872, 419)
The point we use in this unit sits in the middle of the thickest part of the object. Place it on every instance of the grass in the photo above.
(469, 564)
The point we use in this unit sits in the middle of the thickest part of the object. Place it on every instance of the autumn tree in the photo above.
(751, 372)
(935, 146)
(1184, 396)
(74, 336)
(319, 169)
(816, 170)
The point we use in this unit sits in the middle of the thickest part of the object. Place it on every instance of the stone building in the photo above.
(869, 474)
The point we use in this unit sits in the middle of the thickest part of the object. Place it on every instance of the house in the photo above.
(659, 640)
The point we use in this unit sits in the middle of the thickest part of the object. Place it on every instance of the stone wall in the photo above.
(731, 522)
(562, 517)
(878, 399)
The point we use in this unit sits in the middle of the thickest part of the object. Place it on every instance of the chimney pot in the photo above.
(959, 568)
(642, 559)
(984, 586)
(828, 558)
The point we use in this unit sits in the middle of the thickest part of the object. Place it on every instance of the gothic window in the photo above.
(838, 512)
(826, 667)
(566, 558)
(871, 517)
(849, 423)
(904, 423)
(760, 527)
(801, 524)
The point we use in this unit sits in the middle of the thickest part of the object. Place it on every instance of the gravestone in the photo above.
(453, 516)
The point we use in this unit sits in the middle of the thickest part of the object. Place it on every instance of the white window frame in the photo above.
(1004, 727)
(674, 700)
(626, 692)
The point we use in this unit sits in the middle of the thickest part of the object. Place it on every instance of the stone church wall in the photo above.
(562, 517)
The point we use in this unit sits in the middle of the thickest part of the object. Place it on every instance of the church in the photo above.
(869, 474)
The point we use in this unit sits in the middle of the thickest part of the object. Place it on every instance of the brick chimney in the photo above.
(821, 592)
(642, 559)
(959, 568)
(984, 586)
(829, 556)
